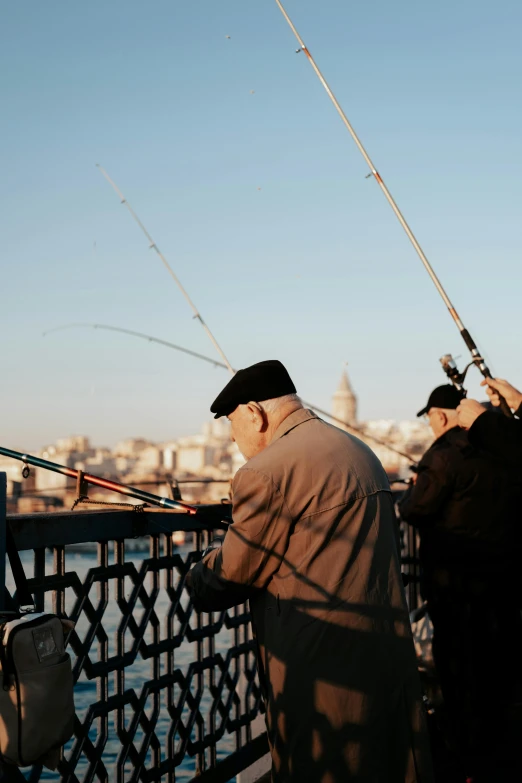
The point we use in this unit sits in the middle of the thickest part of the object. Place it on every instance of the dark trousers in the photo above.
(477, 648)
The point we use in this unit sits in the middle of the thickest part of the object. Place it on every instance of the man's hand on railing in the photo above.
(216, 543)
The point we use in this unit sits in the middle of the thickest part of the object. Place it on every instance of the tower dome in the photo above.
(344, 402)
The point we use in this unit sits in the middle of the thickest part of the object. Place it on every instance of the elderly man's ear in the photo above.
(258, 416)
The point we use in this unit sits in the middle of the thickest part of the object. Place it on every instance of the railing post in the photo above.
(3, 523)
(8, 774)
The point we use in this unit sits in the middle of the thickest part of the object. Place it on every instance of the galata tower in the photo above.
(344, 403)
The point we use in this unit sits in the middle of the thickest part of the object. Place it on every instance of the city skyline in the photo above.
(209, 454)
(343, 406)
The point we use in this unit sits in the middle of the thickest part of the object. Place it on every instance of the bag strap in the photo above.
(23, 594)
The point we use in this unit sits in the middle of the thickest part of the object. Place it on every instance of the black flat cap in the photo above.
(443, 397)
(261, 381)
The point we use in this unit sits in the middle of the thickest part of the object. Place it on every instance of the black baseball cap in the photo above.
(443, 397)
(261, 381)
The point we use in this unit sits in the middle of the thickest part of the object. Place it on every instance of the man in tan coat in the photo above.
(313, 546)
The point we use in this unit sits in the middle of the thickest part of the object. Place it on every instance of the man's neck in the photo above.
(448, 429)
(279, 417)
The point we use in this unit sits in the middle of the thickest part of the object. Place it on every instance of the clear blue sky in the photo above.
(313, 268)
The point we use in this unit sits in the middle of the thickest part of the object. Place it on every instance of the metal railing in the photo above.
(162, 693)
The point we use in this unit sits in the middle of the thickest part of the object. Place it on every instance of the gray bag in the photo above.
(36, 684)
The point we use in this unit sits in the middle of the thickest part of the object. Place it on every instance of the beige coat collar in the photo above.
(294, 420)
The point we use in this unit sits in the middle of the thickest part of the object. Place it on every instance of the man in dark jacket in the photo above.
(497, 434)
(313, 546)
(465, 506)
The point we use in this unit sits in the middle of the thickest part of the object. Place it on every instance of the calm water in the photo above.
(137, 674)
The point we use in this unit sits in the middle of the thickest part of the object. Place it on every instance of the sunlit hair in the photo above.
(271, 406)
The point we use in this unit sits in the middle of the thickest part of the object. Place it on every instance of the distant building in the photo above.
(217, 429)
(170, 456)
(409, 437)
(344, 403)
(237, 459)
(150, 459)
(131, 447)
(102, 463)
(195, 454)
(47, 480)
(80, 444)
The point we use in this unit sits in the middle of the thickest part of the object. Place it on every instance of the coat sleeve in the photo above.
(422, 503)
(253, 549)
(498, 435)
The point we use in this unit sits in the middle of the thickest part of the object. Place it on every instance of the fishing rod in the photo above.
(154, 246)
(136, 334)
(148, 483)
(147, 337)
(477, 359)
(87, 478)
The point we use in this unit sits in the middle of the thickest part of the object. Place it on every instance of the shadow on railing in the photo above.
(162, 693)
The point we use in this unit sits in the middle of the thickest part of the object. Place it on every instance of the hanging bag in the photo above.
(36, 684)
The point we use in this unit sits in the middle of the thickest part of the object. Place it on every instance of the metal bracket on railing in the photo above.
(82, 489)
(175, 491)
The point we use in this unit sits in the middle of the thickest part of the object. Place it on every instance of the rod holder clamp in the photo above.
(175, 491)
(82, 488)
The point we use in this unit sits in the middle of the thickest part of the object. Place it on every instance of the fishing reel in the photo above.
(457, 378)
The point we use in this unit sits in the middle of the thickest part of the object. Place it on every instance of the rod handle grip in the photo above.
(504, 407)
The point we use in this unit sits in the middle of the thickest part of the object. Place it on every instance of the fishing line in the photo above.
(167, 344)
(154, 246)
